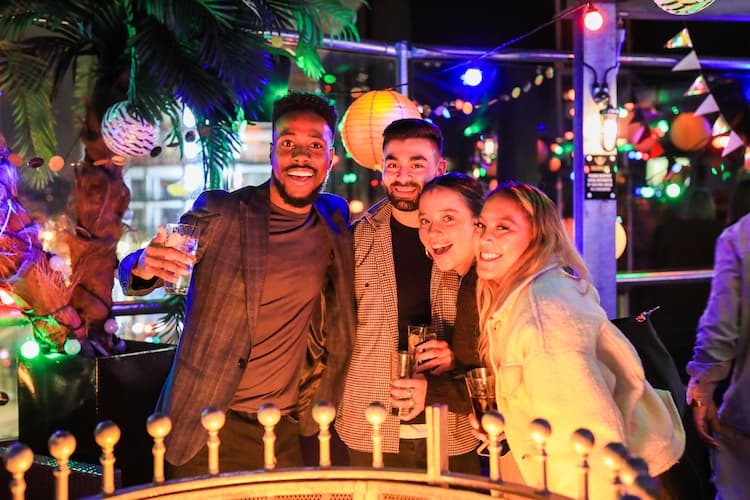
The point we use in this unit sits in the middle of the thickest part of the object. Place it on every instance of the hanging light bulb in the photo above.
(592, 18)
(610, 117)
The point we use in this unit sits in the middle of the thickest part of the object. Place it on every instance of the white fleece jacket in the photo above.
(558, 357)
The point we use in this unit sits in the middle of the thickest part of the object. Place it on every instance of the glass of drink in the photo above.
(401, 367)
(183, 237)
(481, 385)
(417, 335)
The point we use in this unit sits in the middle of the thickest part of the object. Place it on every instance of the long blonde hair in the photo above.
(549, 245)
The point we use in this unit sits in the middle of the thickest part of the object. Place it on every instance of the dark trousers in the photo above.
(242, 447)
(413, 455)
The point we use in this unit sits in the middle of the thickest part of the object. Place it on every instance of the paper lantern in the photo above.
(621, 239)
(363, 124)
(683, 7)
(690, 132)
(127, 135)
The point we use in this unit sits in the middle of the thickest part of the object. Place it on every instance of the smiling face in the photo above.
(504, 234)
(301, 155)
(446, 228)
(407, 165)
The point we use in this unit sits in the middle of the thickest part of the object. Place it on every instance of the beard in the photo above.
(403, 204)
(297, 201)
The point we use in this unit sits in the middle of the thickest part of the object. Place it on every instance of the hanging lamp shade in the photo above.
(366, 118)
(127, 135)
(683, 7)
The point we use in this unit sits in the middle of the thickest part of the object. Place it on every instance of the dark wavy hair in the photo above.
(470, 189)
(304, 101)
(413, 128)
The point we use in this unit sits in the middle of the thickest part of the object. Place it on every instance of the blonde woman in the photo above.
(554, 353)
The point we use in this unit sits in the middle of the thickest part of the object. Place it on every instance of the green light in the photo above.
(349, 178)
(647, 192)
(472, 129)
(30, 349)
(482, 172)
(675, 110)
(329, 79)
(673, 190)
(714, 171)
(72, 346)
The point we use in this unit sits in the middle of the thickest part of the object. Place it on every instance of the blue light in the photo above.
(472, 77)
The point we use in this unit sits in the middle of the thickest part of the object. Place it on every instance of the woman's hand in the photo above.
(409, 395)
(434, 357)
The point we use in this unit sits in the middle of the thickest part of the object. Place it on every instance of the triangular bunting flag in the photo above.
(707, 106)
(680, 40)
(720, 126)
(698, 87)
(735, 141)
(689, 62)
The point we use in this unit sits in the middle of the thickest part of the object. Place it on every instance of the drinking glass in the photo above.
(419, 334)
(401, 367)
(183, 237)
(481, 385)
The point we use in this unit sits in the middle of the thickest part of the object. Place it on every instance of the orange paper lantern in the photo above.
(363, 124)
(690, 132)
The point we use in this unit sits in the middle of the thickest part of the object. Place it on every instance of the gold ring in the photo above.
(411, 392)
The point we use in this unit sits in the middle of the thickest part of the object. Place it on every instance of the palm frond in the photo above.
(168, 328)
(31, 106)
(219, 142)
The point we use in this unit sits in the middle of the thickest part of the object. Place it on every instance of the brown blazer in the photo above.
(223, 305)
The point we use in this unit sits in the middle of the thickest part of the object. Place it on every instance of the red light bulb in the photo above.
(592, 19)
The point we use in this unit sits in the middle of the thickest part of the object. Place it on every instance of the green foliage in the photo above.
(210, 55)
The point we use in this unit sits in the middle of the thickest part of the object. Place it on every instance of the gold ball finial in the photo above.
(18, 458)
(158, 425)
(493, 422)
(107, 434)
(540, 431)
(61, 445)
(212, 419)
(582, 441)
(375, 413)
(269, 414)
(615, 456)
(323, 412)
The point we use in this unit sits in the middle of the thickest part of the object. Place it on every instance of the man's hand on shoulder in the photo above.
(160, 261)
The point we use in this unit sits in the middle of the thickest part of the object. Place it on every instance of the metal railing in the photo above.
(625, 281)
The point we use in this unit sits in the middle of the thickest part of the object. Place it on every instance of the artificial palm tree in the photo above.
(213, 56)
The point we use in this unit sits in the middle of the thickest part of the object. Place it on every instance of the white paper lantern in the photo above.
(126, 135)
(683, 7)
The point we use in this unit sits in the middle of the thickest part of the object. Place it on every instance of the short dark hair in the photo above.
(304, 101)
(470, 189)
(413, 128)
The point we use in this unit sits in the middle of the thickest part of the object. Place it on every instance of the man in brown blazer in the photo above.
(270, 311)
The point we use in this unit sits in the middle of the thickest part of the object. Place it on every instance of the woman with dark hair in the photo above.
(448, 209)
